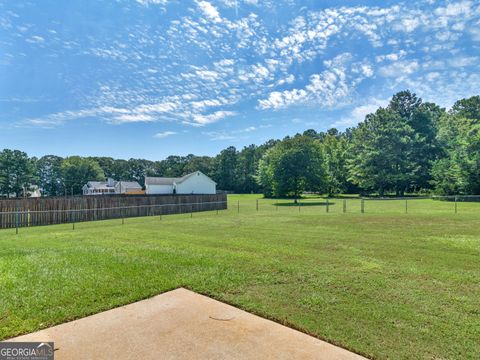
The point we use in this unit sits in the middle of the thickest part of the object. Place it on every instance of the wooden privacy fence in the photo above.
(60, 210)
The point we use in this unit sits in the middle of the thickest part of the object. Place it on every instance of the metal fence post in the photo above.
(123, 216)
(327, 207)
(406, 206)
(72, 219)
(191, 210)
(257, 204)
(362, 206)
(344, 206)
(238, 206)
(455, 204)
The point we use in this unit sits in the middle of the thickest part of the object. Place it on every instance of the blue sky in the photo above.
(150, 78)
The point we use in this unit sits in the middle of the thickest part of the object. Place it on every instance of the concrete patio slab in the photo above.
(181, 324)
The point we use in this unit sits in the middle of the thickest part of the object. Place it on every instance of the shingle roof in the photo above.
(97, 184)
(128, 184)
(167, 180)
(160, 180)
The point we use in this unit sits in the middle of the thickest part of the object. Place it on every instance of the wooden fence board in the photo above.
(60, 210)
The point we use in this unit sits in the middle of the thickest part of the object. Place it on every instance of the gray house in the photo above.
(127, 187)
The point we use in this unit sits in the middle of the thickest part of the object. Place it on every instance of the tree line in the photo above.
(408, 146)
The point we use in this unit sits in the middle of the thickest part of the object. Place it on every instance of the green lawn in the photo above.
(385, 284)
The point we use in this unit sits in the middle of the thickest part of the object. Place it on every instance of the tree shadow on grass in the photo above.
(308, 203)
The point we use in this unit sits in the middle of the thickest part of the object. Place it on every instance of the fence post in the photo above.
(17, 220)
(191, 210)
(238, 206)
(406, 206)
(455, 204)
(123, 216)
(362, 206)
(326, 208)
(344, 206)
(257, 204)
(72, 219)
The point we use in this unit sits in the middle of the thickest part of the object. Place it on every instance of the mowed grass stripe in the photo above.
(384, 284)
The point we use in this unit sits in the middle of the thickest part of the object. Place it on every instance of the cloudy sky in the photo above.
(149, 78)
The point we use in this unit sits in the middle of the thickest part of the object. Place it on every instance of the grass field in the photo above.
(385, 284)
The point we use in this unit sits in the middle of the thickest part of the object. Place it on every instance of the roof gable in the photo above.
(198, 173)
(173, 180)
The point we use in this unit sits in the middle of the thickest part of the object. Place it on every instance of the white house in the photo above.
(35, 192)
(111, 187)
(99, 187)
(194, 183)
(32, 191)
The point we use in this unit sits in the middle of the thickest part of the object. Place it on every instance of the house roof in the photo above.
(170, 180)
(128, 184)
(160, 180)
(104, 184)
(98, 184)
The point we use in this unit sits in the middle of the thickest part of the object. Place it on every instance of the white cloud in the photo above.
(61, 117)
(391, 56)
(366, 70)
(454, 9)
(209, 11)
(236, 3)
(410, 24)
(233, 134)
(160, 107)
(225, 62)
(162, 135)
(205, 119)
(152, 2)
(206, 103)
(278, 100)
(462, 61)
(327, 89)
(219, 135)
(198, 67)
(399, 69)
(358, 113)
(35, 39)
(289, 79)
(128, 118)
(259, 71)
(207, 75)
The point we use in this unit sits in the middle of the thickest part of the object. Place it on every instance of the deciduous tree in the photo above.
(293, 166)
(17, 173)
(50, 175)
(77, 171)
